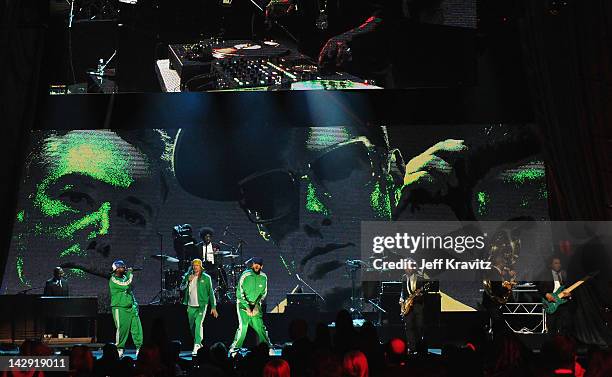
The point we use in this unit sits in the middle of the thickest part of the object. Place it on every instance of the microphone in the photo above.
(225, 230)
(226, 244)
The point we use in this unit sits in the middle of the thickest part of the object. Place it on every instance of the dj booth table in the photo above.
(25, 316)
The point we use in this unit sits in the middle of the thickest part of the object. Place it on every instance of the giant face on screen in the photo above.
(294, 196)
(87, 198)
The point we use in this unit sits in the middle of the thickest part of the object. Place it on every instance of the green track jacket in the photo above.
(252, 288)
(205, 290)
(121, 291)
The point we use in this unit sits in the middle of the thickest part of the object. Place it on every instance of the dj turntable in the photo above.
(214, 65)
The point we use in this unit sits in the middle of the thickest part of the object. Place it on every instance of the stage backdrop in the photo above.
(88, 197)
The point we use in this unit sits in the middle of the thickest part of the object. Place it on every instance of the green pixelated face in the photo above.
(352, 164)
(344, 184)
(94, 197)
(511, 192)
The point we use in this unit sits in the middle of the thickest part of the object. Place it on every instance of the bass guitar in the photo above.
(561, 293)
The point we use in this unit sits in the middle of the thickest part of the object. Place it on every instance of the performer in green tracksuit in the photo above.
(124, 307)
(198, 293)
(250, 293)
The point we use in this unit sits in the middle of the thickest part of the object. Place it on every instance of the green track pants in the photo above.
(195, 316)
(244, 321)
(126, 321)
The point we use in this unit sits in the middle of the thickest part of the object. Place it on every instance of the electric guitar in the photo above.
(560, 294)
(406, 305)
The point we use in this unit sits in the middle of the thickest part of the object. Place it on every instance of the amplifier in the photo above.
(391, 287)
(190, 60)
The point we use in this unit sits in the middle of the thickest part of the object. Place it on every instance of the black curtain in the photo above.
(568, 58)
(22, 30)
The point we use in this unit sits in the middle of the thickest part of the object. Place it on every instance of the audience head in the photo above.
(203, 355)
(560, 352)
(109, 352)
(149, 355)
(344, 320)
(396, 351)
(218, 353)
(355, 364)
(34, 348)
(368, 331)
(276, 368)
(327, 365)
(81, 360)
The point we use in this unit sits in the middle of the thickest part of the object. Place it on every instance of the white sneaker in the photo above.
(120, 352)
(196, 347)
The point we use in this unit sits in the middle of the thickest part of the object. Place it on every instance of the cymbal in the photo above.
(222, 252)
(231, 256)
(166, 258)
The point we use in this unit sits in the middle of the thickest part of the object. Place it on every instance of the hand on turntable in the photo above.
(337, 51)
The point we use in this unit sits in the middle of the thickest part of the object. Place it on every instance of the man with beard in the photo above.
(124, 307)
(292, 184)
(250, 294)
(308, 189)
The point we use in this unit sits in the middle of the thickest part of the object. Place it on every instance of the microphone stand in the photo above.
(309, 287)
(162, 278)
(381, 311)
(353, 266)
(276, 23)
(240, 243)
(297, 276)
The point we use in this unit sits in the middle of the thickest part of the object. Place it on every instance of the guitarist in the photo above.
(412, 285)
(548, 282)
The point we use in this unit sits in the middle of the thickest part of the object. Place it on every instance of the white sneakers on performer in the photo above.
(120, 352)
(196, 347)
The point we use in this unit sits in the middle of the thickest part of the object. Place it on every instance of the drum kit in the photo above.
(225, 276)
(370, 290)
